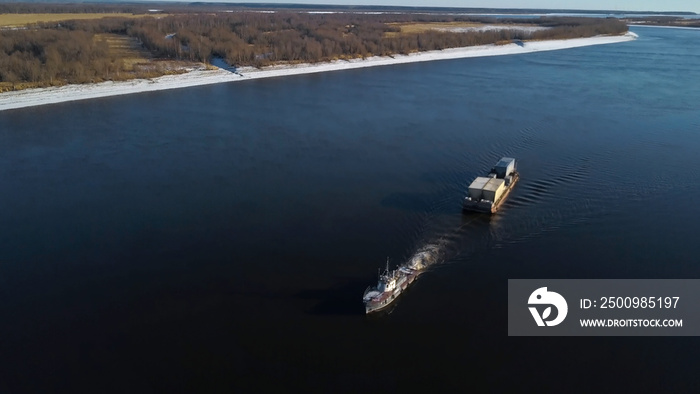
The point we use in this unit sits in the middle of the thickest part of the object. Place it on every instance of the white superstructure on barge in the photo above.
(486, 194)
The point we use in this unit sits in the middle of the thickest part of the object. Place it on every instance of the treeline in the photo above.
(562, 28)
(260, 39)
(54, 56)
(665, 21)
(50, 57)
(69, 52)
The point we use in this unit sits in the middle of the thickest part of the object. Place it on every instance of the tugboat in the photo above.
(486, 194)
(391, 284)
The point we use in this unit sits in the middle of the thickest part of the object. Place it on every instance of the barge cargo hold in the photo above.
(486, 194)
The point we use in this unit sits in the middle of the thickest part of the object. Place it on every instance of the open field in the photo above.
(137, 61)
(456, 27)
(416, 28)
(16, 20)
(126, 48)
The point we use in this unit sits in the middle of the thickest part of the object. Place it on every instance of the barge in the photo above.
(487, 194)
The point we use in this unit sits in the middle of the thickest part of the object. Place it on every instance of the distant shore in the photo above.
(199, 77)
(665, 27)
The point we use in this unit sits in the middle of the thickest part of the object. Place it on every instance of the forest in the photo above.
(83, 51)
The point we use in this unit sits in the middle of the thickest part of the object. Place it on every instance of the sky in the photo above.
(614, 5)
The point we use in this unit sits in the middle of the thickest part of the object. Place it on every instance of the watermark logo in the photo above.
(543, 297)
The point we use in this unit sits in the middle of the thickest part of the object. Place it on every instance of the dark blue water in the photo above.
(219, 238)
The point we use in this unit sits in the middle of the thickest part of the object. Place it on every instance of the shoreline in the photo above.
(665, 27)
(52, 95)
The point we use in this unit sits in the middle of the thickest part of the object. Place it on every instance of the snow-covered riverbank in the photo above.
(34, 97)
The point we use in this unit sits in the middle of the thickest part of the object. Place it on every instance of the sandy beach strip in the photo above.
(52, 95)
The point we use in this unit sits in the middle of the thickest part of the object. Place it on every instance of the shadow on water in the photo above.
(382, 313)
(342, 299)
(476, 219)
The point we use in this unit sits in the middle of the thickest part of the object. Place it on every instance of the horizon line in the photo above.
(360, 6)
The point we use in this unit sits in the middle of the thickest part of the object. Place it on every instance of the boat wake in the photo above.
(429, 254)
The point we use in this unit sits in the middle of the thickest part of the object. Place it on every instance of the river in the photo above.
(219, 238)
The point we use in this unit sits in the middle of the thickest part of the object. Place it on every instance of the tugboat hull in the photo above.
(390, 286)
(383, 300)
